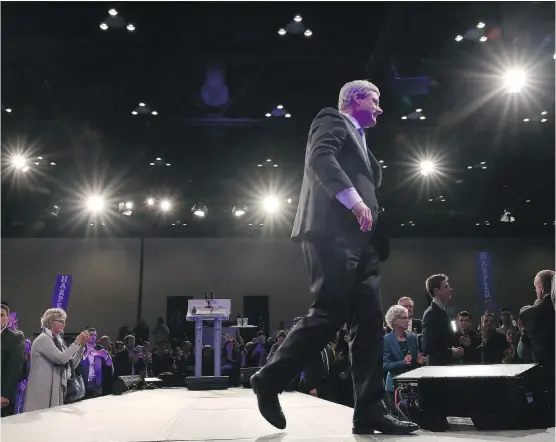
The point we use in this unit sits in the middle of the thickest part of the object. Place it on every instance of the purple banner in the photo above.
(61, 294)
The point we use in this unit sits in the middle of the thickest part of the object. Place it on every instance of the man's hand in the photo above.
(313, 392)
(5, 402)
(421, 359)
(407, 360)
(457, 352)
(465, 341)
(364, 217)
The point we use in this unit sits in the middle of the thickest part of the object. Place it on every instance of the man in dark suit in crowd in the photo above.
(13, 357)
(438, 335)
(342, 240)
(468, 338)
(539, 323)
(414, 325)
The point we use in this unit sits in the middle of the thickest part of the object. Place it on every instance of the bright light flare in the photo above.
(165, 205)
(19, 162)
(150, 202)
(427, 167)
(199, 213)
(239, 213)
(271, 204)
(95, 203)
(514, 81)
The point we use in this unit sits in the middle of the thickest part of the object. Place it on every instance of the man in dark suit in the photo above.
(414, 325)
(539, 323)
(13, 357)
(338, 225)
(438, 335)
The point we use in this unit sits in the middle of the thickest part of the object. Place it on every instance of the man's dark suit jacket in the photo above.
(123, 365)
(539, 324)
(438, 336)
(416, 326)
(13, 357)
(337, 159)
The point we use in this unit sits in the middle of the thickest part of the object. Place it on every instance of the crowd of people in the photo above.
(50, 371)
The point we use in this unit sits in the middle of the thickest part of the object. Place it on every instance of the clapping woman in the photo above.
(50, 362)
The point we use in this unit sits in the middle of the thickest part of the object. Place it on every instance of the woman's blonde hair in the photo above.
(52, 314)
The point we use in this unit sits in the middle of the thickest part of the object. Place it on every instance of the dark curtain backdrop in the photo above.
(106, 275)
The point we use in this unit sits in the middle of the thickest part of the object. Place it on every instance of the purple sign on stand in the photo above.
(61, 294)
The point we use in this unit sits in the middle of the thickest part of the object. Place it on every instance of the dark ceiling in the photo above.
(71, 88)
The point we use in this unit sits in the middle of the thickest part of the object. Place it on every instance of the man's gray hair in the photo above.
(353, 88)
(394, 313)
(52, 314)
(405, 298)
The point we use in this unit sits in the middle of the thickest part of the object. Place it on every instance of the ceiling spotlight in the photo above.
(268, 160)
(52, 163)
(459, 37)
(158, 159)
(141, 104)
(130, 27)
(281, 31)
(526, 120)
(287, 115)
(199, 210)
(480, 25)
(151, 164)
(544, 120)
(507, 217)
(168, 164)
(484, 167)
(154, 112)
(275, 165)
(19, 162)
(134, 113)
(271, 204)
(268, 115)
(9, 110)
(279, 107)
(113, 12)
(150, 201)
(514, 80)
(418, 110)
(308, 33)
(165, 205)
(297, 18)
(404, 118)
(239, 211)
(104, 26)
(427, 167)
(470, 167)
(422, 117)
(483, 39)
(259, 165)
(289, 200)
(95, 203)
(542, 113)
(129, 205)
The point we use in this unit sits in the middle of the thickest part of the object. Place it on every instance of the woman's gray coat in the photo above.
(48, 376)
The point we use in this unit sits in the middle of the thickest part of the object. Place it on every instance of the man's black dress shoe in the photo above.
(386, 424)
(269, 405)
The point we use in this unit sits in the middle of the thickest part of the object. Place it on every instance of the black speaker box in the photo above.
(125, 384)
(505, 396)
(208, 382)
(170, 380)
(245, 374)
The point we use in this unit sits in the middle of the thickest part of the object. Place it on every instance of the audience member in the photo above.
(97, 368)
(414, 325)
(494, 344)
(50, 362)
(506, 320)
(438, 337)
(161, 332)
(13, 357)
(127, 362)
(468, 339)
(400, 352)
(141, 332)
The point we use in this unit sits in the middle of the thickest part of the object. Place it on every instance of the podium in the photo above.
(216, 314)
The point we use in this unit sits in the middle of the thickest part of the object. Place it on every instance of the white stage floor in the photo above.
(227, 415)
